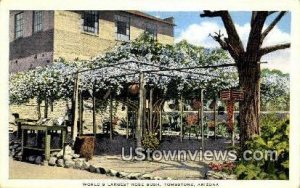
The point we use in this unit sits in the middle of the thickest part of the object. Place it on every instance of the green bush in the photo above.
(150, 141)
(274, 137)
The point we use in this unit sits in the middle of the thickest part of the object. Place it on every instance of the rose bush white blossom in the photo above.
(119, 68)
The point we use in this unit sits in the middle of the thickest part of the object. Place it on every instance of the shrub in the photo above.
(274, 137)
(150, 141)
(84, 145)
(226, 166)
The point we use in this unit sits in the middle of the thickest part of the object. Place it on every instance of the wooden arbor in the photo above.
(154, 70)
(230, 97)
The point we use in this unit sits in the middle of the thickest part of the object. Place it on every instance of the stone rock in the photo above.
(113, 172)
(52, 161)
(123, 174)
(92, 169)
(107, 171)
(38, 160)
(31, 158)
(101, 170)
(85, 165)
(68, 157)
(68, 150)
(78, 164)
(60, 163)
(168, 178)
(13, 152)
(147, 177)
(53, 154)
(18, 158)
(157, 178)
(79, 159)
(133, 176)
(60, 154)
(19, 153)
(69, 164)
(75, 156)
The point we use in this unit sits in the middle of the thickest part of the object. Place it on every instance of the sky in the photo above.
(191, 27)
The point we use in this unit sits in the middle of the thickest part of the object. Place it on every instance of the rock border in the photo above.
(72, 160)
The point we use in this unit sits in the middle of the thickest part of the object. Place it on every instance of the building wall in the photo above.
(70, 42)
(33, 49)
(61, 36)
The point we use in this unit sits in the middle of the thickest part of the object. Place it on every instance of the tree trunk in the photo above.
(249, 78)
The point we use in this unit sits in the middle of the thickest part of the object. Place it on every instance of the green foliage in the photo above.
(150, 141)
(274, 137)
(275, 90)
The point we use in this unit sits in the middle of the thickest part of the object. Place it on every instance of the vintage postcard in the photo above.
(154, 93)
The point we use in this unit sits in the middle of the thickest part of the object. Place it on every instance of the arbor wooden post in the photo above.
(127, 125)
(215, 118)
(140, 112)
(144, 127)
(75, 107)
(38, 108)
(181, 119)
(46, 107)
(80, 112)
(201, 115)
(151, 109)
(111, 118)
(94, 112)
(160, 123)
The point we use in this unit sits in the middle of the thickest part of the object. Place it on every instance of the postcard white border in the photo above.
(154, 5)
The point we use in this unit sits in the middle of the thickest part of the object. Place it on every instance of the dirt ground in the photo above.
(24, 170)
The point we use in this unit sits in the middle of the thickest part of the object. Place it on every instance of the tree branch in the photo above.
(217, 37)
(210, 14)
(269, 49)
(254, 40)
(272, 25)
(225, 45)
(233, 40)
(271, 12)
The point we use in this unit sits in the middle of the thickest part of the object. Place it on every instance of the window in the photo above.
(122, 28)
(151, 30)
(19, 25)
(90, 21)
(37, 21)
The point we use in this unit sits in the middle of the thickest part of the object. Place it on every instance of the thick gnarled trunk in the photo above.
(249, 78)
(247, 61)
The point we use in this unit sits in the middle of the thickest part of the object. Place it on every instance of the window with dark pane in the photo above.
(37, 21)
(151, 30)
(122, 28)
(19, 24)
(90, 21)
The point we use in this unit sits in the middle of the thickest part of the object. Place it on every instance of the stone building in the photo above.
(38, 38)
